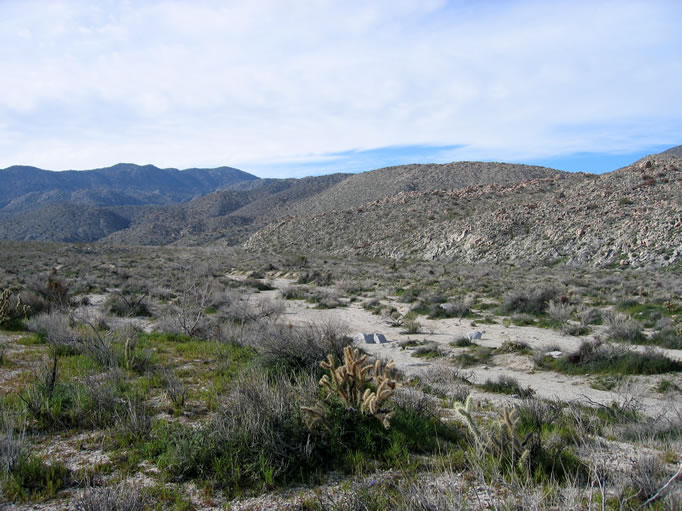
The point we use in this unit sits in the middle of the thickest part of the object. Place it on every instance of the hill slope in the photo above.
(230, 216)
(673, 151)
(377, 184)
(632, 216)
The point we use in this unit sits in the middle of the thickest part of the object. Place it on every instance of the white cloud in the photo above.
(209, 83)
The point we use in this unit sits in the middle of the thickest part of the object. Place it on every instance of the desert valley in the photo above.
(470, 335)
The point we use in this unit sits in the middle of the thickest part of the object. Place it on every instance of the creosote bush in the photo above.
(529, 301)
(299, 347)
(623, 328)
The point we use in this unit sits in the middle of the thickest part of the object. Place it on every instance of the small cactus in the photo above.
(350, 383)
(11, 309)
(501, 439)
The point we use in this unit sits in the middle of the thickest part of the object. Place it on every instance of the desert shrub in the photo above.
(560, 313)
(623, 328)
(590, 316)
(669, 337)
(503, 448)
(174, 387)
(445, 382)
(132, 422)
(100, 346)
(13, 446)
(647, 477)
(507, 385)
(472, 357)
(411, 325)
(354, 287)
(58, 331)
(315, 277)
(101, 400)
(410, 295)
(127, 304)
(428, 350)
(523, 319)
(325, 298)
(300, 347)
(188, 314)
(257, 437)
(451, 309)
(417, 401)
(122, 497)
(55, 405)
(31, 478)
(295, 292)
(240, 310)
(461, 342)
(372, 305)
(510, 346)
(529, 301)
(596, 358)
(49, 293)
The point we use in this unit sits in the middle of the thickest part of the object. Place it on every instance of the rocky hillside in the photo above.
(632, 216)
(369, 186)
(673, 151)
(228, 216)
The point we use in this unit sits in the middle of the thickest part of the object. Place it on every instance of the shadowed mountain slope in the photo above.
(23, 188)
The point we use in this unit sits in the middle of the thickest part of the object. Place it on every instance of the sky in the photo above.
(285, 88)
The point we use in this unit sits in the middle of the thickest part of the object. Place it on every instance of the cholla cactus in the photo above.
(501, 439)
(464, 409)
(350, 383)
(10, 309)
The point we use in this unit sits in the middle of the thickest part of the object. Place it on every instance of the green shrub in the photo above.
(461, 342)
(504, 448)
(507, 385)
(32, 479)
(594, 358)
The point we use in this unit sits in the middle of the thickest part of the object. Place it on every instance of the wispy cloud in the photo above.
(265, 84)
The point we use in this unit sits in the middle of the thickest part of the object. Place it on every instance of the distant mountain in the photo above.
(630, 217)
(25, 188)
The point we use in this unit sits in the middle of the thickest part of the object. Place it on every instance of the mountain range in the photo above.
(468, 211)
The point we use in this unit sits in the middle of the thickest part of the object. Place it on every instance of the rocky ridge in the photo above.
(632, 216)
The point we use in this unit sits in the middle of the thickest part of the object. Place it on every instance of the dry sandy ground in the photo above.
(546, 384)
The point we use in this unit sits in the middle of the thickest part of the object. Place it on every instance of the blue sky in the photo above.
(294, 88)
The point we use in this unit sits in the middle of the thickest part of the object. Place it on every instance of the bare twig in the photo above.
(662, 488)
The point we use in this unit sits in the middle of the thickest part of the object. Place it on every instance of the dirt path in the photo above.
(546, 384)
